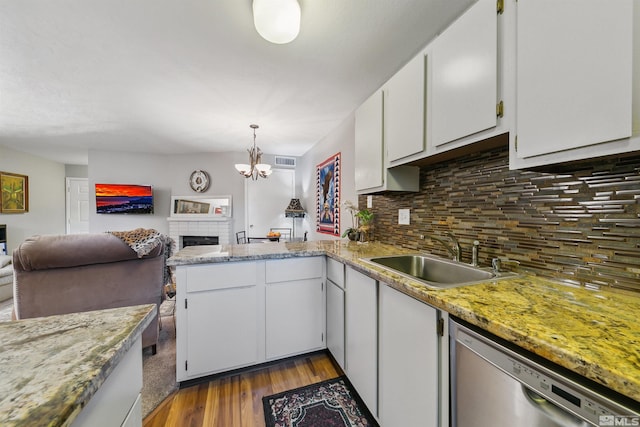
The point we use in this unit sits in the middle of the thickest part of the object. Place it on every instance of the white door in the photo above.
(266, 201)
(77, 205)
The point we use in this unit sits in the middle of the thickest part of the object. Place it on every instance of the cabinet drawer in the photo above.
(221, 276)
(283, 270)
(335, 272)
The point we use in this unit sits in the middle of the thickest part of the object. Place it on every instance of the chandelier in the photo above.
(255, 168)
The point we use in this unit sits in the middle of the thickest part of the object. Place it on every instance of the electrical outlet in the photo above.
(369, 202)
(403, 216)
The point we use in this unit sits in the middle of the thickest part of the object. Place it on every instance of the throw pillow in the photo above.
(5, 260)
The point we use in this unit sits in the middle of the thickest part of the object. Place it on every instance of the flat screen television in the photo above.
(124, 199)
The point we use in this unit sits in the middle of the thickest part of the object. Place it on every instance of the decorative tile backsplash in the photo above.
(579, 224)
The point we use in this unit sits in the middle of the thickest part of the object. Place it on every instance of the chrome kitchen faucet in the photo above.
(455, 250)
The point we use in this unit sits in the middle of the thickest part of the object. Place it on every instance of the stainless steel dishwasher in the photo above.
(493, 385)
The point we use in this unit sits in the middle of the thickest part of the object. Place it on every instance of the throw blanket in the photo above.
(143, 241)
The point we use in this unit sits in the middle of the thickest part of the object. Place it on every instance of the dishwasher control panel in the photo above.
(544, 384)
(572, 399)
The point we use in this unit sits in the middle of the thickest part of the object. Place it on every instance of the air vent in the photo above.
(285, 162)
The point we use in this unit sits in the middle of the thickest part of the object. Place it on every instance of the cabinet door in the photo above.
(335, 272)
(574, 74)
(409, 363)
(464, 80)
(335, 322)
(221, 330)
(294, 317)
(361, 318)
(404, 110)
(369, 159)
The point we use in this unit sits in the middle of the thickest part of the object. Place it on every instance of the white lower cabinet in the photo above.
(361, 335)
(235, 314)
(223, 330)
(409, 392)
(218, 313)
(117, 402)
(295, 311)
(335, 310)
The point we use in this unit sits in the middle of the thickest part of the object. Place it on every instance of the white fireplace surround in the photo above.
(220, 227)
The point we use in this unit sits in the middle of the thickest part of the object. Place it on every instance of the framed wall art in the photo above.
(328, 178)
(201, 206)
(14, 193)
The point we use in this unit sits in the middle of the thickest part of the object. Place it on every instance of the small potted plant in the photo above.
(352, 232)
(360, 223)
(365, 218)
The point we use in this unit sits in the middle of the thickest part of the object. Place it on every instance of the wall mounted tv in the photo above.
(124, 199)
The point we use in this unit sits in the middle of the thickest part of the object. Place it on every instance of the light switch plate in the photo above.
(403, 216)
(369, 202)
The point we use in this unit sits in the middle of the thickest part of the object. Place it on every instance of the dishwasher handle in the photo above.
(553, 411)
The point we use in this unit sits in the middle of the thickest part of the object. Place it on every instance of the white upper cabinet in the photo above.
(463, 85)
(405, 110)
(369, 143)
(446, 97)
(371, 167)
(574, 80)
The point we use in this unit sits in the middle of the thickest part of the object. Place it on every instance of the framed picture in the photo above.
(328, 196)
(14, 190)
(183, 206)
(201, 207)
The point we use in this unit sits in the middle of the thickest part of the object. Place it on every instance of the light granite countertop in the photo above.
(50, 367)
(595, 334)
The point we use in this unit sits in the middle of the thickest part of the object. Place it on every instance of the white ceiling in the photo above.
(186, 76)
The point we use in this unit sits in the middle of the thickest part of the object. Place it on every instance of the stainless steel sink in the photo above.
(433, 271)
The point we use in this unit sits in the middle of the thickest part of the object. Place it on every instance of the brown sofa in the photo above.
(59, 274)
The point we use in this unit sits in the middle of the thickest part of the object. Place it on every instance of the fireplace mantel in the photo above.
(220, 227)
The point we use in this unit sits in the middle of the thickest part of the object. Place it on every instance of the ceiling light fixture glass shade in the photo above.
(256, 168)
(277, 21)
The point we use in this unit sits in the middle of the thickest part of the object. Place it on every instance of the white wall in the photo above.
(76, 171)
(225, 180)
(169, 176)
(342, 140)
(106, 167)
(46, 197)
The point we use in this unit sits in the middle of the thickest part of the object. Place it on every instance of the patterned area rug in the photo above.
(331, 403)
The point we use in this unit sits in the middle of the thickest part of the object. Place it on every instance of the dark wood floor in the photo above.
(236, 400)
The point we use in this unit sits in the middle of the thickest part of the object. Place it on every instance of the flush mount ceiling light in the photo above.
(277, 21)
(256, 168)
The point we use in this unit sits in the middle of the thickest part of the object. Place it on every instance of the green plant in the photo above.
(353, 211)
(360, 219)
(365, 216)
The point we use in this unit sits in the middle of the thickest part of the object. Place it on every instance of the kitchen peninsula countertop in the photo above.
(50, 367)
(595, 334)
